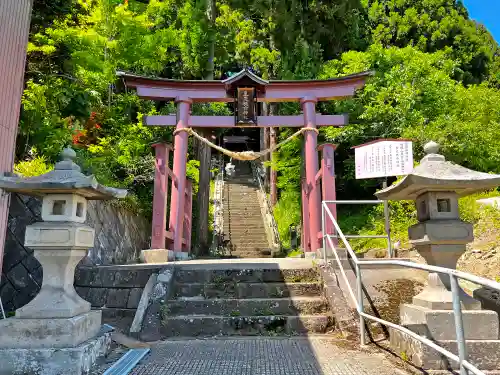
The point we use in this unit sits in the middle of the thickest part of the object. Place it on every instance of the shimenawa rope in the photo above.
(244, 155)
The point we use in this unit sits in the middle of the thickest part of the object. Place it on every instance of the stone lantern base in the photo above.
(484, 354)
(155, 256)
(56, 333)
(55, 361)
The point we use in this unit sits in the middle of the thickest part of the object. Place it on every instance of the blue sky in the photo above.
(486, 12)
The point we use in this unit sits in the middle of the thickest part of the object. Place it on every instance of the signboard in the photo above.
(383, 158)
(246, 107)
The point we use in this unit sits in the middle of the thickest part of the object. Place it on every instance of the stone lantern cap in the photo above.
(66, 178)
(436, 174)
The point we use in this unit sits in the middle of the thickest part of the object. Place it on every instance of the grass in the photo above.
(369, 220)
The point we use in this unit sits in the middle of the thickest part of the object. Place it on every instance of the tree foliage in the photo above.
(437, 76)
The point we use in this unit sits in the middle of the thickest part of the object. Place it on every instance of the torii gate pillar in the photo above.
(312, 167)
(179, 181)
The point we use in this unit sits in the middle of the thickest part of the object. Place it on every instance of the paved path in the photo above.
(262, 356)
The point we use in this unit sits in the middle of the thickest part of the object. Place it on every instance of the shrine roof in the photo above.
(133, 79)
(156, 88)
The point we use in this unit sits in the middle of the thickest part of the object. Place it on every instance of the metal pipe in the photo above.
(323, 232)
(361, 236)
(459, 324)
(354, 202)
(461, 275)
(387, 223)
(342, 272)
(454, 276)
(359, 286)
(1, 308)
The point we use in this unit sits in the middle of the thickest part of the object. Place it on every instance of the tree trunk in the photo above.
(204, 151)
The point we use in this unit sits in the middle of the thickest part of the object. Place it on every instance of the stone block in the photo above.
(156, 256)
(7, 292)
(55, 361)
(14, 253)
(49, 333)
(440, 324)
(47, 235)
(82, 292)
(20, 278)
(84, 276)
(441, 232)
(134, 298)
(97, 296)
(64, 208)
(31, 263)
(489, 298)
(117, 298)
(484, 354)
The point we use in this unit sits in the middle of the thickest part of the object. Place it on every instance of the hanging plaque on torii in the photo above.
(245, 108)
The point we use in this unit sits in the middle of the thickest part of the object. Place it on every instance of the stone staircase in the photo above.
(235, 299)
(243, 222)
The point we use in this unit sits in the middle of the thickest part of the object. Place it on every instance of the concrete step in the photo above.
(209, 325)
(247, 307)
(248, 273)
(248, 290)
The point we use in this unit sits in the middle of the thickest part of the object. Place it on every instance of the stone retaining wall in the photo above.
(118, 287)
(120, 236)
(115, 290)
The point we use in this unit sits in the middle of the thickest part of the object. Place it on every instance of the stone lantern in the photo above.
(57, 317)
(441, 238)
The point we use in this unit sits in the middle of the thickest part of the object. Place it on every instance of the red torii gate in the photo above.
(244, 89)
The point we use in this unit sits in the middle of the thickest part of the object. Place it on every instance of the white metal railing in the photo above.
(218, 203)
(257, 169)
(454, 275)
(387, 222)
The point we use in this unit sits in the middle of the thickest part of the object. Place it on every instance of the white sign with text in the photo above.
(384, 158)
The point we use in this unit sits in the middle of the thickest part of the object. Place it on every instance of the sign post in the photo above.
(384, 158)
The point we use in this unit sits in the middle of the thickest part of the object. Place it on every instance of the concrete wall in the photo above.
(120, 236)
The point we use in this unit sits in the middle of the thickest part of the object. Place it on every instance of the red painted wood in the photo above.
(160, 194)
(188, 216)
(216, 91)
(262, 121)
(309, 106)
(14, 29)
(196, 95)
(179, 184)
(328, 183)
(306, 243)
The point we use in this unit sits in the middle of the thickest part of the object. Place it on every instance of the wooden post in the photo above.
(188, 218)
(305, 235)
(273, 177)
(179, 180)
(14, 30)
(328, 183)
(309, 108)
(160, 194)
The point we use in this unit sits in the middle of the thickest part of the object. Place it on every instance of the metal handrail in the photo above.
(274, 225)
(387, 222)
(454, 275)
